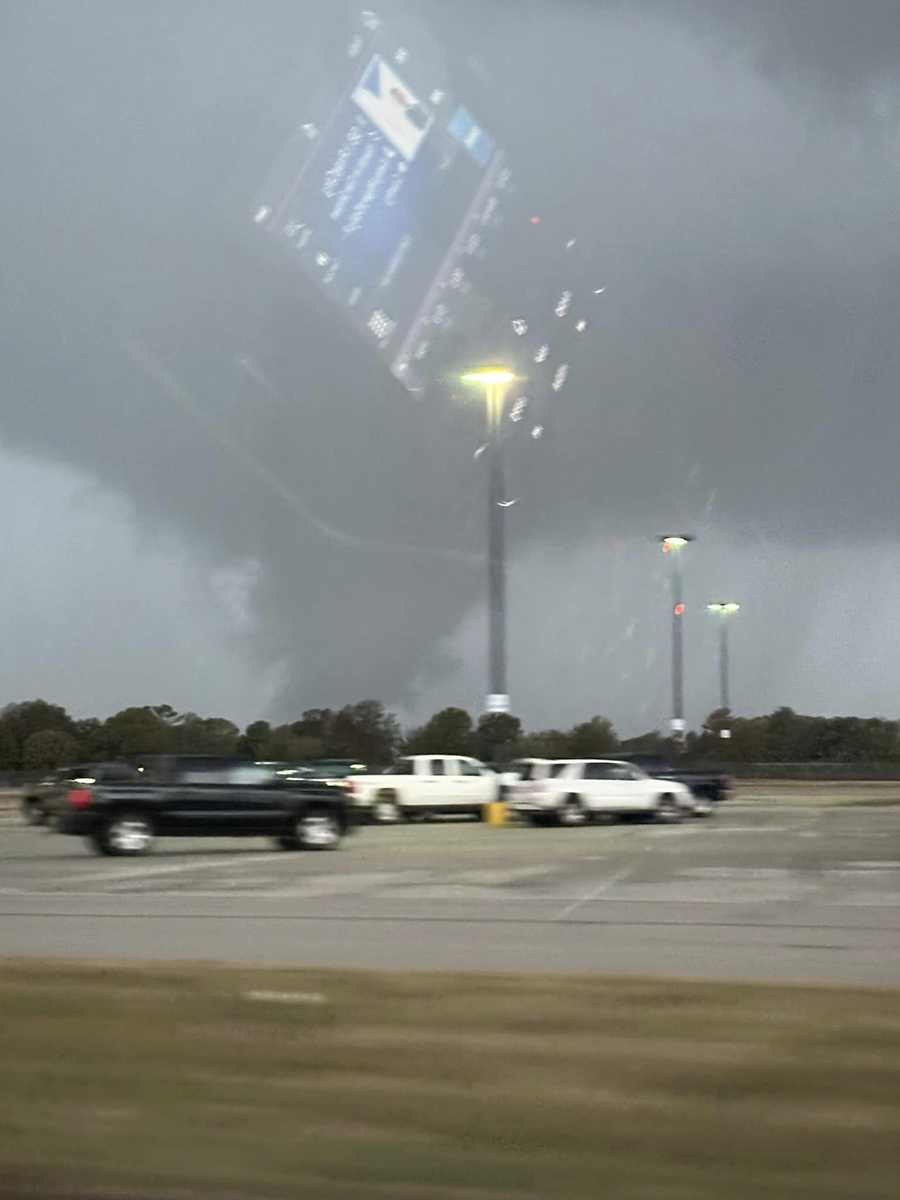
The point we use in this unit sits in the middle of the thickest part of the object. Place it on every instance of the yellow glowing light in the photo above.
(490, 377)
(496, 382)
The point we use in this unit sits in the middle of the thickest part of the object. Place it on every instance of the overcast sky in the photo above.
(218, 499)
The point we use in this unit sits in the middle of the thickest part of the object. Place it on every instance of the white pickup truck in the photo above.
(424, 784)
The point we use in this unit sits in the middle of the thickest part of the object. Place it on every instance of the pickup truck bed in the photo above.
(711, 786)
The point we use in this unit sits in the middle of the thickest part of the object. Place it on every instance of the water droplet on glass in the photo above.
(560, 377)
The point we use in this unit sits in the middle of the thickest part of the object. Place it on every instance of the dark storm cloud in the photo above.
(847, 52)
(730, 168)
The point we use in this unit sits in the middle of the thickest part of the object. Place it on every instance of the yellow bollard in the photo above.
(495, 813)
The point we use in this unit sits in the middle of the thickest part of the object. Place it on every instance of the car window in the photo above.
(244, 775)
(437, 767)
(405, 766)
(467, 767)
(557, 768)
(599, 770)
(116, 773)
(623, 773)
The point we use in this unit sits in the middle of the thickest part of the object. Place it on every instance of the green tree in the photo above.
(206, 735)
(654, 742)
(167, 714)
(790, 737)
(497, 737)
(252, 743)
(137, 731)
(447, 732)
(315, 723)
(92, 740)
(30, 716)
(546, 743)
(365, 731)
(592, 739)
(283, 745)
(47, 749)
(10, 749)
(749, 741)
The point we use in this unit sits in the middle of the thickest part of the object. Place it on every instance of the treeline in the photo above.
(37, 736)
(785, 736)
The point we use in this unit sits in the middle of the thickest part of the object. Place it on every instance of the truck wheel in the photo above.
(286, 841)
(318, 829)
(33, 812)
(668, 811)
(385, 810)
(126, 834)
(573, 813)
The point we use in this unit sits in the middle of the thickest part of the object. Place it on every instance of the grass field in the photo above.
(828, 793)
(215, 1082)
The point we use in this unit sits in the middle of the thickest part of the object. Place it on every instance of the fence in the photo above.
(811, 772)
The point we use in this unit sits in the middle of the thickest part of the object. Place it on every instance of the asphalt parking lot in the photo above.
(759, 892)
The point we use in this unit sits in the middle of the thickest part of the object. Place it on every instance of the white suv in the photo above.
(572, 793)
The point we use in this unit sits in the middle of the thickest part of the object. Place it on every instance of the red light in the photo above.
(79, 798)
(679, 610)
(535, 220)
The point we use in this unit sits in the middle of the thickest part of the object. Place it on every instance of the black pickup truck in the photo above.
(708, 786)
(191, 796)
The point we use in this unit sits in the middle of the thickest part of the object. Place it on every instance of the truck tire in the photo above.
(572, 814)
(386, 810)
(126, 834)
(318, 829)
(33, 812)
(668, 811)
(286, 841)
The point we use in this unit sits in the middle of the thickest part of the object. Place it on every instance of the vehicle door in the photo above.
(418, 787)
(602, 788)
(226, 799)
(442, 789)
(476, 784)
(634, 789)
(259, 799)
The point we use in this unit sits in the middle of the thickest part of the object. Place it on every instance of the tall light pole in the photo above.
(673, 544)
(495, 382)
(723, 610)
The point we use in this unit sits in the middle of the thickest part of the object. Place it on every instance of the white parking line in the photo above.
(115, 874)
(596, 893)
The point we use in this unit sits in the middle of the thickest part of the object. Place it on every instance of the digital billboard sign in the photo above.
(388, 195)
